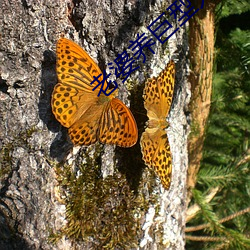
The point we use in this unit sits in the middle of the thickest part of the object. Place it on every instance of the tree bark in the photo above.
(201, 42)
(54, 196)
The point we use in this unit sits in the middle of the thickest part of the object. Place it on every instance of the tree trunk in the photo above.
(54, 196)
(201, 42)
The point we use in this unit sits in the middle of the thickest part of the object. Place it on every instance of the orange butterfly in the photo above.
(158, 93)
(76, 106)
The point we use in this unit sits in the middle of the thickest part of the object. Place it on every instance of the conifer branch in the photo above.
(245, 159)
(205, 238)
(194, 209)
(230, 217)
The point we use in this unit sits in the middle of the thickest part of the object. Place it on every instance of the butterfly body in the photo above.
(157, 123)
(88, 117)
(158, 93)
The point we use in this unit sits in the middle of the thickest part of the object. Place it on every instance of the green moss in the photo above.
(5, 160)
(28, 133)
(195, 129)
(130, 84)
(19, 140)
(105, 212)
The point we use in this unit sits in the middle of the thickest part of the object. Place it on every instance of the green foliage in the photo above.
(207, 211)
(226, 153)
(230, 7)
(218, 176)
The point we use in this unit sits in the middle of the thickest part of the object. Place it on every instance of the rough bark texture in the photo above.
(32, 142)
(201, 40)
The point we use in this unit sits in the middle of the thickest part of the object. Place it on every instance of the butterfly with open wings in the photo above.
(88, 117)
(158, 94)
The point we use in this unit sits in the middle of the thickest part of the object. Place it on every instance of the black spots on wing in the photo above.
(59, 110)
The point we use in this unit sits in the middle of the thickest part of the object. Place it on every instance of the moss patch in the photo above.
(20, 140)
(103, 212)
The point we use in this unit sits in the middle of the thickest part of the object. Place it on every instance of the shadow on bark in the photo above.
(61, 145)
(131, 163)
(9, 239)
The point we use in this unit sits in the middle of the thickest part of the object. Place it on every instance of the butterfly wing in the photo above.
(73, 95)
(75, 67)
(70, 103)
(158, 93)
(156, 154)
(85, 130)
(117, 125)
(78, 108)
